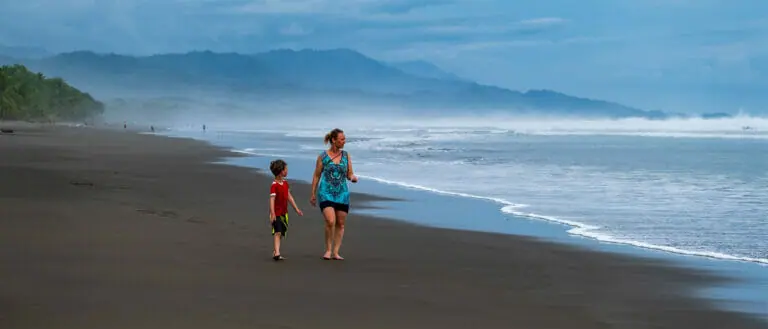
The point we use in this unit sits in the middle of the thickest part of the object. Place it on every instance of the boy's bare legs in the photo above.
(277, 237)
(330, 222)
(341, 218)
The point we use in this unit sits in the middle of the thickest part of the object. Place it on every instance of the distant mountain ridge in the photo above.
(296, 73)
(425, 69)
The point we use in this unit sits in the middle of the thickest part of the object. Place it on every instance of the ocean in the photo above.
(689, 187)
(691, 191)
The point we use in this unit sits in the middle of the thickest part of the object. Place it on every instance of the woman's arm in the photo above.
(316, 179)
(350, 172)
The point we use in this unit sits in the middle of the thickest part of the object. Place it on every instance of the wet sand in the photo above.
(112, 229)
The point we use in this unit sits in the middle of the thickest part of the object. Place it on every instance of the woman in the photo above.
(329, 186)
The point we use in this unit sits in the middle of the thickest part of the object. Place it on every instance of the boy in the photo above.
(279, 197)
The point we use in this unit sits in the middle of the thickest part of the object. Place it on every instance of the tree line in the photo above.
(27, 95)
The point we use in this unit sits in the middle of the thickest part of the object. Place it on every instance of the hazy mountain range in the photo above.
(283, 74)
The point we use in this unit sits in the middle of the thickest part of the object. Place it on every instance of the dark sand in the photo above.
(111, 229)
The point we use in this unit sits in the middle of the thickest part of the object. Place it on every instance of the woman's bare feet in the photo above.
(327, 255)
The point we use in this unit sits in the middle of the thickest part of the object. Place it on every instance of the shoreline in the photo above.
(738, 295)
(512, 209)
(152, 231)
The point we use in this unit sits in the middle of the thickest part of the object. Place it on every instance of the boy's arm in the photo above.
(293, 203)
(272, 208)
(272, 194)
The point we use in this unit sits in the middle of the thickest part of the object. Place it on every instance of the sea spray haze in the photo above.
(163, 88)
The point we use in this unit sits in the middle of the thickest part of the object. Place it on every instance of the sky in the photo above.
(676, 55)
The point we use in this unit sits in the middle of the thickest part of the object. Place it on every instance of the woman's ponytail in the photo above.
(330, 136)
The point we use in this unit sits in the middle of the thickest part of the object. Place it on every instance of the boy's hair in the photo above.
(277, 166)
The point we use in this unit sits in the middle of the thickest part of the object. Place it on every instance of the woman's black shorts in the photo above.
(335, 206)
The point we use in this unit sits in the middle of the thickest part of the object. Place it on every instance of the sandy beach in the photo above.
(107, 228)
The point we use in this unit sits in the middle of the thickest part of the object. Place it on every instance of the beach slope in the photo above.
(113, 229)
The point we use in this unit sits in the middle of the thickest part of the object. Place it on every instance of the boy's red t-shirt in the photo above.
(280, 192)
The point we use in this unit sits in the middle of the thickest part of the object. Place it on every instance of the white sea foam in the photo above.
(733, 135)
(578, 228)
(591, 231)
(433, 190)
(251, 151)
(646, 188)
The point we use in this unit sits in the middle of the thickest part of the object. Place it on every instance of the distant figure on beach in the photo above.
(279, 197)
(152, 128)
(329, 186)
(203, 127)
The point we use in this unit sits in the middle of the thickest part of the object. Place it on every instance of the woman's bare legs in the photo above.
(341, 218)
(330, 222)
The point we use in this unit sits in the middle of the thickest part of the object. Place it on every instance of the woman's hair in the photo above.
(332, 135)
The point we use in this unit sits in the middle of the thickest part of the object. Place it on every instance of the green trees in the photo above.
(26, 95)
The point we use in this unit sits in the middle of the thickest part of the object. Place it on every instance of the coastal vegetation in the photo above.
(28, 95)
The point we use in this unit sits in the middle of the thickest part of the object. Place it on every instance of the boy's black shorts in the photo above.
(280, 225)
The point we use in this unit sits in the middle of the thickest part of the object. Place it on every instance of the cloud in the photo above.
(441, 50)
(406, 6)
(340, 7)
(605, 42)
(286, 7)
(543, 21)
(295, 29)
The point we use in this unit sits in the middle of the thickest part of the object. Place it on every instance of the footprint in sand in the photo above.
(159, 213)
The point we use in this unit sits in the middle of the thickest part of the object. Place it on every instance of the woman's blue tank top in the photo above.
(333, 180)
